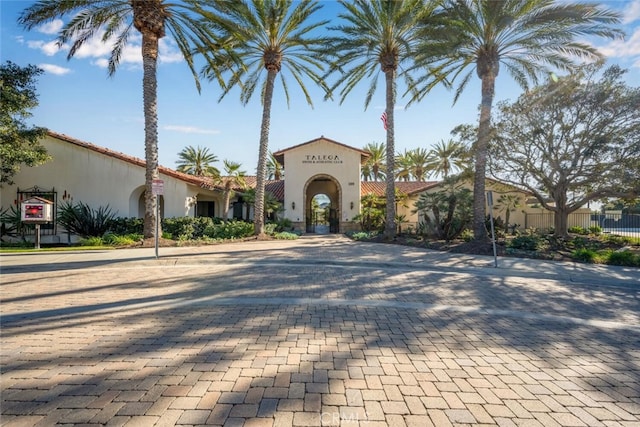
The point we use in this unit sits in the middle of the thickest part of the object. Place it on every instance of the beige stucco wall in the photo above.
(524, 216)
(322, 160)
(515, 217)
(98, 180)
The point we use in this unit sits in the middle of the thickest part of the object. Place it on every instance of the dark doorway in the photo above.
(205, 209)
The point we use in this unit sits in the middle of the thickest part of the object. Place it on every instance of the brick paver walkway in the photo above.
(312, 334)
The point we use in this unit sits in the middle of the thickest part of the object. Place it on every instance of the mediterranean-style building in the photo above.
(99, 177)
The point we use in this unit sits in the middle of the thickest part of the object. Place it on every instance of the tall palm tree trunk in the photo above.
(150, 102)
(482, 145)
(258, 219)
(226, 196)
(390, 220)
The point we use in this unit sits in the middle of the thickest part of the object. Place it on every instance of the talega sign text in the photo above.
(322, 158)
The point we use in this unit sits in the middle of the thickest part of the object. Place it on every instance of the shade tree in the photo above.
(19, 143)
(571, 141)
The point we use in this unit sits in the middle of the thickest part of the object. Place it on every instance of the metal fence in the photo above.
(612, 223)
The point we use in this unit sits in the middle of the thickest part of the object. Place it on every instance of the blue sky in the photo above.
(78, 98)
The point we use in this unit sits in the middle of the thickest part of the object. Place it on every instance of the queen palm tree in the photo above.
(233, 177)
(530, 38)
(197, 161)
(114, 20)
(403, 166)
(446, 157)
(270, 35)
(378, 33)
(419, 161)
(376, 161)
(507, 203)
(274, 168)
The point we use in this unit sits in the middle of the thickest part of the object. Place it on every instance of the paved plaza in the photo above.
(320, 331)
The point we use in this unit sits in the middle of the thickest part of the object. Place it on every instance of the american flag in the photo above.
(383, 117)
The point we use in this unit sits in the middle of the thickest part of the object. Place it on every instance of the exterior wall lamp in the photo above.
(351, 204)
(293, 206)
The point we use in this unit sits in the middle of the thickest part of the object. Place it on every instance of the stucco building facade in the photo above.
(99, 177)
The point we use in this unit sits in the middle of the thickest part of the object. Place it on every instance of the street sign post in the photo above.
(493, 231)
(157, 188)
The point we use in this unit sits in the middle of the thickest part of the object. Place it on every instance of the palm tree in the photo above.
(507, 203)
(446, 157)
(233, 177)
(419, 160)
(269, 35)
(271, 203)
(366, 172)
(115, 20)
(197, 161)
(376, 161)
(403, 166)
(378, 33)
(274, 168)
(529, 38)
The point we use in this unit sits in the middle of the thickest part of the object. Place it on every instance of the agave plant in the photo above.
(85, 221)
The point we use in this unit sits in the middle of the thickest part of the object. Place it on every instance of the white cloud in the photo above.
(628, 48)
(100, 52)
(631, 13)
(55, 69)
(51, 27)
(169, 52)
(48, 48)
(190, 129)
(94, 48)
(101, 62)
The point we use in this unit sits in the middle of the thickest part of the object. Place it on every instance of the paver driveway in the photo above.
(319, 331)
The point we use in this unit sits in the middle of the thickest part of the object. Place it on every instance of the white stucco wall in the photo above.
(98, 179)
(325, 159)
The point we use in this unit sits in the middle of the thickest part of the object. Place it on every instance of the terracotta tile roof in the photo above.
(271, 186)
(379, 187)
(275, 187)
(191, 179)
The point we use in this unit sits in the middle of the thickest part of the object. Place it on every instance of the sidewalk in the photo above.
(315, 332)
(342, 251)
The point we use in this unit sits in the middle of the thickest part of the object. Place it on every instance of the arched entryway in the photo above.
(141, 207)
(322, 195)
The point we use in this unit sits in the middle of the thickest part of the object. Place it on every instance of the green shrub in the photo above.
(230, 230)
(85, 221)
(576, 229)
(618, 240)
(584, 255)
(12, 224)
(467, 235)
(112, 239)
(200, 224)
(362, 235)
(284, 224)
(580, 242)
(180, 228)
(529, 242)
(91, 241)
(285, 235)
(625, 258)
(124, 226)
(595, 229)
(270, 228)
